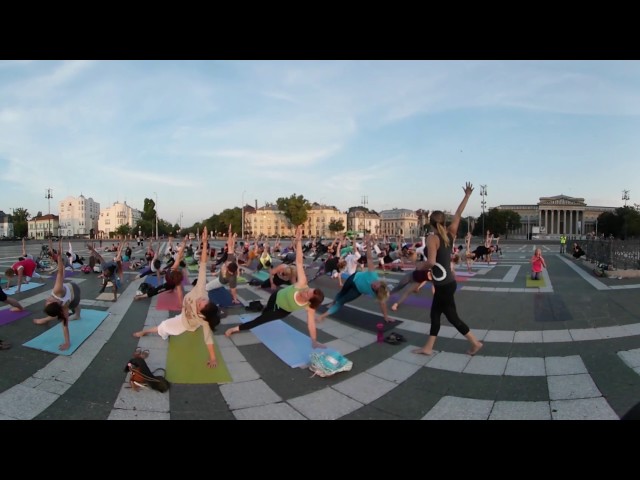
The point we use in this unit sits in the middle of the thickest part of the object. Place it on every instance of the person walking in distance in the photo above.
(439, 261)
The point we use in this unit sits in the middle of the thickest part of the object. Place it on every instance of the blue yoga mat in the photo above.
(289, 345)
(79, 331)
(261, 275)
(25, 287)
(221, 297)
(152, 279)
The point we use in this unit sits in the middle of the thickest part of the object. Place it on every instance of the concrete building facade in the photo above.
(78, 217)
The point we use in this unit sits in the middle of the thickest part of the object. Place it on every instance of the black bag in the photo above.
(254, 306)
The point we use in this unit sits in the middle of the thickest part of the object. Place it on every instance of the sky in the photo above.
(203, 136)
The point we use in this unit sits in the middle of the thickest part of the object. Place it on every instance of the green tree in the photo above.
(336, 226)
(123, 230)
(623, 223)
(295, 209)
(497, 220)
(149, 210)
(20, 219)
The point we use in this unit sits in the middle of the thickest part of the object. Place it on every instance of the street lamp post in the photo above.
(483, 203)
(156, 209)
(242, 226)
(49, 196)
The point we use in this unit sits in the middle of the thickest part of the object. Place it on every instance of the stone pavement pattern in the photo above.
(568, 350)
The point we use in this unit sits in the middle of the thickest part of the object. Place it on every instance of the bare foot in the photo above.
(16, 309)
(138, 334)
(475, 349)
(420, 351)
(394, 307)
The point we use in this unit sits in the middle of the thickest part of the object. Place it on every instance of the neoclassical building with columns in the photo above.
(557, 215)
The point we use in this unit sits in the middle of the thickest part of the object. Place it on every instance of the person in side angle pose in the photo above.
(172, 279)
(367, 283)
(197, 311)
(287, 300)
(65, 298)
(439, 256)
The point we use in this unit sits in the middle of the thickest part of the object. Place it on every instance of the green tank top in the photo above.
(286, 301)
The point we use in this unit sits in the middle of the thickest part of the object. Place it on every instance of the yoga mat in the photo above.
(193, 268)
(106, 296)
(535, 283)
(24, 288)
(465, 274)
(169, 301)
(261, 275)
(187, 360)
(69, 273)
(288, 344)
(365, 320)
(411, 300)
(222, 297)
(7, 316)
(3, 281)
(79, 331)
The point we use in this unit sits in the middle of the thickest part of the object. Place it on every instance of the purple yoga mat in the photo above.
(7, 316)
(412, 300)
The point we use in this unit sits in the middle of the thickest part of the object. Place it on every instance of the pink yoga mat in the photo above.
(168, 301)
(7, 316)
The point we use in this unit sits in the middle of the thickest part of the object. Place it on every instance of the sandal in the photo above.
(141, 353)
(398, 337)
(392, 340)
(4, 345)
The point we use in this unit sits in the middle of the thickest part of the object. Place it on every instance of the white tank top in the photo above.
(68, 294)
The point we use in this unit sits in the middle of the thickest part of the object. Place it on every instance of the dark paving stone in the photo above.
(198, 402)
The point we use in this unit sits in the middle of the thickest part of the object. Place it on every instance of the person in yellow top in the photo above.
(563, 242)
(197, 311)
(283, 302)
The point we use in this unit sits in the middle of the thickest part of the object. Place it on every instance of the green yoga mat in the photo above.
(535, 283)
(187, 361)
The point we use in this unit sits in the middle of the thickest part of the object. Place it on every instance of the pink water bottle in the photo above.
(380, 327)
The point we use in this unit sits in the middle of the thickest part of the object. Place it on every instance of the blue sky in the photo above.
(404, 134)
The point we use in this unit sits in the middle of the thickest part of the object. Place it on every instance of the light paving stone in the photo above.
(502, 336)
(611, 332)
(631, 357)
(528, 336)
(579, 334)
(152, 342)
(223, 341)
(242, 371)
(632, 329)
(146, 399)
(471, 288)
(481, 365)
(245, 338)
(502, 289)
(583, 409)
(338, 330)
(637, 370)
(414, 326)
(232, 354)
(365, 388)
(6, 417)
(552, 336)
(32, 382)
(453, 362)
(248, 394)
(479, 333)
(394, 370)
(25, 403)
(570, 387)
(504, 410)
(138, 415)
(325, 404)
(360, 338)
(275, 411)
(53, 386)
(569, 365)
(525, 367)
(520, 290)
(406, 355)
(345, 348)
(447, 332)
(458, 408)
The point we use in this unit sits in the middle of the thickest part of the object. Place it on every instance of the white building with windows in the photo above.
(78, 217)
(6, 225)
(115, 216)
(400, 222)
(43, 227)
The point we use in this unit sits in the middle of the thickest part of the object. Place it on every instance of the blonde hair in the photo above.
(437, 220)
(382, 293)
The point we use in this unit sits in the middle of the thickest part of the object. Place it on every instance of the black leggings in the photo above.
(443, 302)
(270, 313)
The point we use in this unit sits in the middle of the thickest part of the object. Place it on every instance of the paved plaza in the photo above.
(569, 350)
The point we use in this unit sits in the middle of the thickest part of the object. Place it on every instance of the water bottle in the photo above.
(380, 328)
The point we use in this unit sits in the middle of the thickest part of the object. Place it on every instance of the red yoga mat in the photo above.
(168, 301)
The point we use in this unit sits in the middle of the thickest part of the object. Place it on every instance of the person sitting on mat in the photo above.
(172, 279)
(64, 298)
(286, 300)
(197, 311)
(359, 283)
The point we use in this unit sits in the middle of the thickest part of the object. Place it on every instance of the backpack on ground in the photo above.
(326, 364)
